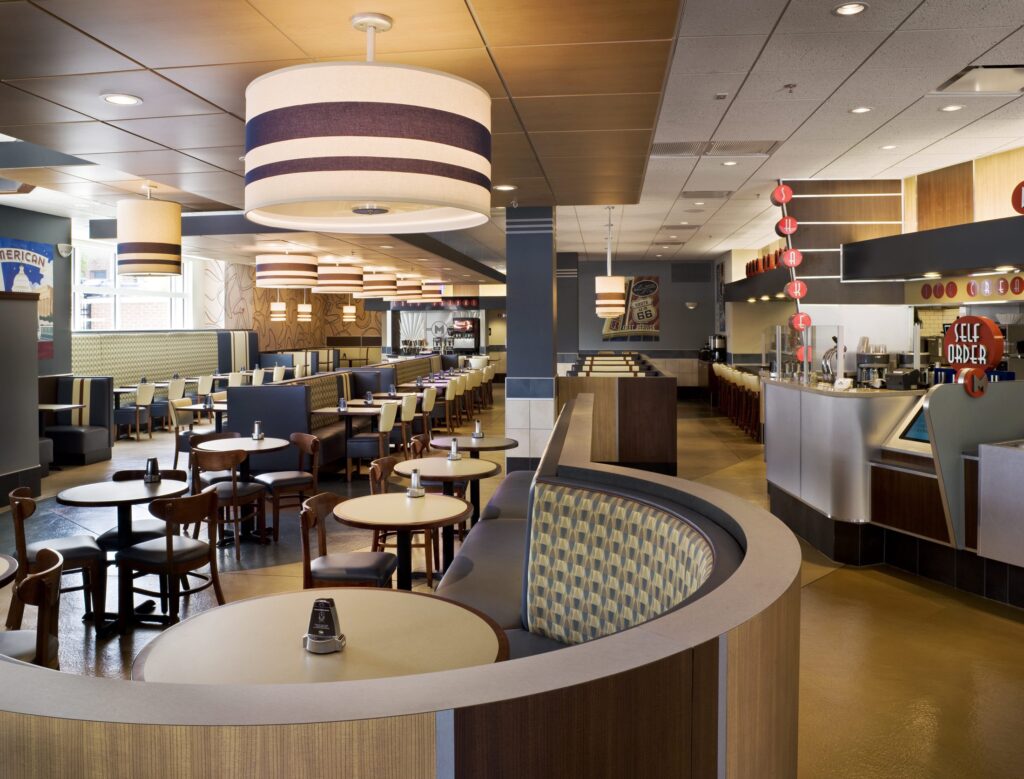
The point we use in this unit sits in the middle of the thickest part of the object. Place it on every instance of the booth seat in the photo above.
(45, 456)
(236, 350)
(83, 435)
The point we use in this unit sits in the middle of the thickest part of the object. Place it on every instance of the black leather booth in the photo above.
(84, 435)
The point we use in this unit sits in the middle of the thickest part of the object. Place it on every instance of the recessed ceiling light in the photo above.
(385, 246)
(751, 300)
(861, 109)
(951, 108)
(729, 163)
(673, 236)
(849, 9)
(931, 275)
(765, 297)
(684, 223)
(505, 187)
(657, 255)
(780, 295)
(1006, 268)
(118, 98)
(887, 147)
(698, 202)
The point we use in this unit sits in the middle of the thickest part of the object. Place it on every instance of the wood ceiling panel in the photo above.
(41, 177)
(600, 68)
(188, 132)
(526, 22)
(179, 33)
(322, 27)
(471, 64)
(80, 137)
(609, 143)
(591, 170)
(29, 109)
(513, 156)
(83, 188)
(503, 117)
(150, 163)
(85, 94)
(33, 43)
(202, 183)
(224, 85)
(530, 192)
(226, 157)
(589, 112)
(627, 192)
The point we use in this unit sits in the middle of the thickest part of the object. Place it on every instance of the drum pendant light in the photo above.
(430, 290)
(407, 289)
(378, 285)
(338, 279)
(304, 310)
(348, 313)
(148, 237)
(278, 309)
(366, 147)
(285, 271)
(610, 291)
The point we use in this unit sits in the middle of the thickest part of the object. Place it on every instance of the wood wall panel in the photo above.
(604, 447)
(908, 502)
(886, 208)
(945, 197)
(971, 504)
(704, 738)
(763, 694)
(628, 725)
(910, 205)
(843, 186)
(831, 236)
(994, 179)
(44, 747)
(647, 420)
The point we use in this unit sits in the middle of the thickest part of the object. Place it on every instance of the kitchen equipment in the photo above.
(872, 368)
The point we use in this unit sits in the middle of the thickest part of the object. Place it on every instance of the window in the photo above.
(105, 301)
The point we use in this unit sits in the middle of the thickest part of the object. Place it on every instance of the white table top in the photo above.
(8, 569)
(118, 493)
(218, 407)
(443, 469)
(259, 640)
(396, 510)
(243, 444)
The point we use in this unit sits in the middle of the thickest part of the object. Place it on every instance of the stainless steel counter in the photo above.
(818, 442)
(1000, 497)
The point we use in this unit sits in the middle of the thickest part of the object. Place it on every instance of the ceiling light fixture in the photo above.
(861, 109)
(363, 147)
(849, 9)
(430, 290)
(932, 275)
(304, 310)
(278, 309)
(951, 108)
(285, 271)
(379, 284)
(119, 98)
(338, 279)
(698, 203)
(609, 290)
(348, 314)
(887, 147)
(505, 187)
(751, 300)
(385, 246)
(148, 237)
(730, 163)
(1006, 269)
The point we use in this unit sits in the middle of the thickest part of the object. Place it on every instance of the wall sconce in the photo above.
(690, 306)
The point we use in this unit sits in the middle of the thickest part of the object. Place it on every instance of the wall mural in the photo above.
(239, 286)
(212, 289)
(27, 266)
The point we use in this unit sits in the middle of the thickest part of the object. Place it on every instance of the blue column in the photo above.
(567, 339)
(531, 338)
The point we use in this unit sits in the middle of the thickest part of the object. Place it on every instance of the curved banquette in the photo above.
(673, 609)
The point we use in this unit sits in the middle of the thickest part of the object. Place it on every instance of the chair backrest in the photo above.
(420, 445)
(388, 414)
(380, 472)
(42, 590)
(220, 397)
(205, 385)
(189, 510)
(308, 446)
(176, 389)
(181, 418)
(457, 386)
(257, 377)
(22, 507)
(216, 461)
(279, 372)
(409, 408)
(134, 475)
(478, 362)
(235, 379)
(315, 511)
(429, 399)
(144, 395)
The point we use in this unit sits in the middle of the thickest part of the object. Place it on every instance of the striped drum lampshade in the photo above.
(148, 238)
(406, 289)
(348, 314)
(367, 147)
(377, 285)
(285, 271)
(338, 279)
(430, 290)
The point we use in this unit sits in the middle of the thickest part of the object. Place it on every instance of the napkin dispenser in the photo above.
(324, 635)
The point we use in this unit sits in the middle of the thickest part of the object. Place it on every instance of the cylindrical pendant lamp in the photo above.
(378, 285)
(285, 271)
(338, 279)
(148, 238)
(609, 290)
(278, 311)
(430, 290)
(348, 314)
(407, 289)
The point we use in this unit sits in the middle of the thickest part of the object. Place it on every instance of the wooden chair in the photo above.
(142, 529)
(80, 554)
(171, 557)
(407, 416)
(298, 482)
(181, 425)
(138, 412)
(212, 477)
(232, 495)
(380, 473)
(357, 569)
(372, 445)
(425, 424)
(42, 590)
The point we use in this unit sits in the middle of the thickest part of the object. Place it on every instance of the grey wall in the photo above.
(567, 335)
(19, 423)
(682, 330)
(44, 228)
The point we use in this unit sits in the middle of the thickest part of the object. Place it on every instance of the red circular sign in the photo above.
(1017, 198)
(792, 258)
(800, 322)
(926, 291)
(1002, 286)
(951, 289)
(786, 226)
(1017, 285)
(974, 380)
(972, 288)
(804, 353)
(973, 342)
(796, 289)
(781, 195)
(938, 290)
(986, 287)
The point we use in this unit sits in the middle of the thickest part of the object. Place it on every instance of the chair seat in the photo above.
(277, 479)
(246, 489)
(354, 566)
(126, 414)
(206, 478)
(21, 645)
(142, 530)
(72, 548)
(184, 550)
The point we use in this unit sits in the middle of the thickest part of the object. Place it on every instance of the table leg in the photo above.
(404, 542)
(447, 547)
(124, 540)
(218, 421)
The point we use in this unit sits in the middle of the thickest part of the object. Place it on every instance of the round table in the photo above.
(395, 511)
(123, 495)
(388, 633)
(8, 569)
(246, 444)
(448, 472)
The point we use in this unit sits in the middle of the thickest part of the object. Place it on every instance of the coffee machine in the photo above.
(716, 347)
(872, 368)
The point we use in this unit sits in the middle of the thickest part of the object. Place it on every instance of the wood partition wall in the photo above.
(707, 690)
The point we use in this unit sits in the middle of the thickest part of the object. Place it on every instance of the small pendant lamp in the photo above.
(610, 291)
(148, 237)
(304, 310)
(278, 309)
(348, 313)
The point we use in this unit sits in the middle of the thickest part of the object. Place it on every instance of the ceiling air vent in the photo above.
(740, 148)
(1000, 79)
(680, 149)
(705, 194)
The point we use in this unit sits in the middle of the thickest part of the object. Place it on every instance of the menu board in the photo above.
(642, 320)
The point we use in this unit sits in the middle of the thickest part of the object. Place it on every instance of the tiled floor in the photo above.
(899, 677)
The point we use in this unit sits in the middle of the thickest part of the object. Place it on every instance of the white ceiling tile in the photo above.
(764, 119)
(1009, 51)
(717, 54)
(730, 17)
(968, 148)
(956, 14)
(945, 50)
(806, 52)
(810, 84)
(817, 16)
(689, 111)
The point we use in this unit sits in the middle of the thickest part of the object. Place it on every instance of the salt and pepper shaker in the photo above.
(342, 404)
(478, 431)
(392, 390)
(454, 454)
(257, 430)
(416, 489)
(152, 472)
(369, 398)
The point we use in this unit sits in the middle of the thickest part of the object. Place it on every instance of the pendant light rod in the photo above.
(371, 24)
(609, 239)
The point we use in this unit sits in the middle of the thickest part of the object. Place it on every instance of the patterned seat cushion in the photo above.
(600, 563)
